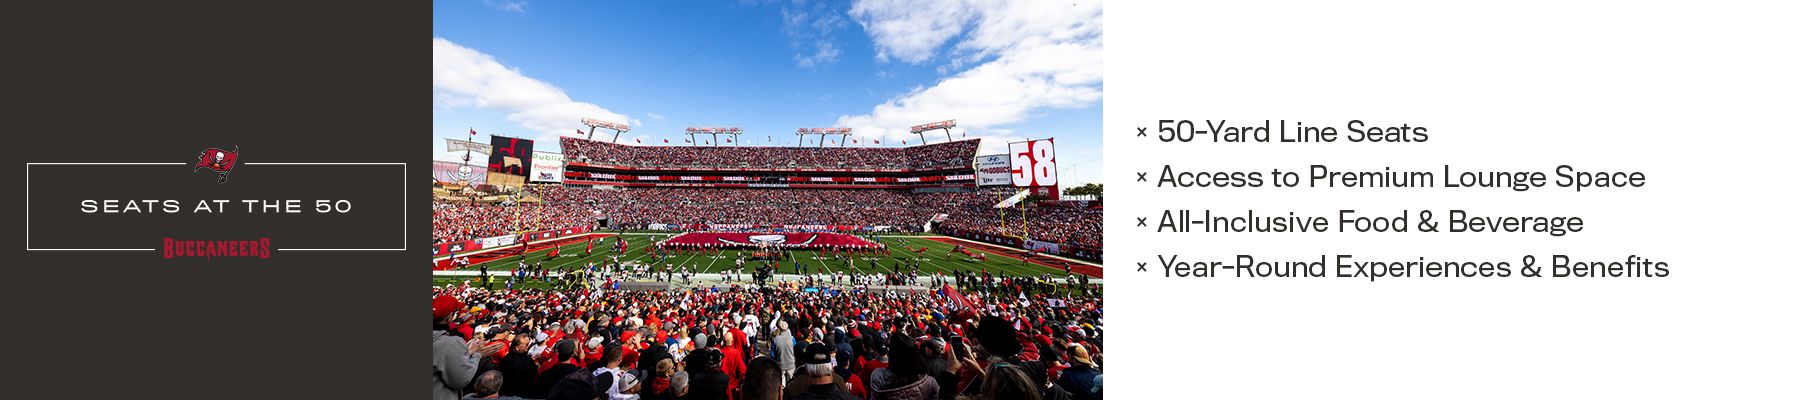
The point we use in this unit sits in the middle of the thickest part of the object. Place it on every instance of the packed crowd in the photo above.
(1079, 227)
(640, 207)
(452, 221)
(758, 344)
(932, 156)
(970, 213)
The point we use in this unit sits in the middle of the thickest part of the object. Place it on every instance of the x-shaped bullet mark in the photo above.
(1140, 267)
(1141, 177)
(1141, 221)
(1141, 132)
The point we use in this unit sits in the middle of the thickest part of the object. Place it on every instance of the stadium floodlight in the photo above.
(844, 134)
(617, 128)
(735, 132)
(945, 125)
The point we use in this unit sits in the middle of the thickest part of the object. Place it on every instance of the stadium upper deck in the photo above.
(931, 157)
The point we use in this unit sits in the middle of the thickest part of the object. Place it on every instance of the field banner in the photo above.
(1044, 247)
(449, 172)
(457, 247)
(497, 241)
(546, 167)
(994, 170)
(1015, 199)
(1034, 163)
(453, 145)
(510, 162)
(806, 240)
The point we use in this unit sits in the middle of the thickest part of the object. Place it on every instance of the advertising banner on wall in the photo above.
(994, 170)
(1046, 247)
(546, 167)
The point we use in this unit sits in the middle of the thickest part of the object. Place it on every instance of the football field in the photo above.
(937, 257)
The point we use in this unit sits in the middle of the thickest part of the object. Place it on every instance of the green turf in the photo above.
(937, 258)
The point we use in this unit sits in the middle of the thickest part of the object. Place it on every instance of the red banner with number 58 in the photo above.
(1033, 163)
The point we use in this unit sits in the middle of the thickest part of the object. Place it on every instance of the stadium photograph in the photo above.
(767, 200)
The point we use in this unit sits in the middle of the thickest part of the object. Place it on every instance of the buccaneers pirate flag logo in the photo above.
(218, 160)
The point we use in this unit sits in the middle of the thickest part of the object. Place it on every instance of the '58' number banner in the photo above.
(1034, 163)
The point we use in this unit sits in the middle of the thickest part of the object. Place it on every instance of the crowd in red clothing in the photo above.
(971, 213)
(931, 156)
(738, 343)
(1075, 226)
(451, 221)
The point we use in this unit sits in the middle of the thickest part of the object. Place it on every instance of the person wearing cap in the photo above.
(568, 360)
(631, 344)
(652, 354)
(872, 354)
(596, 353)
(498, 335)
(1079, 379)
(708, 382)
(782, 347)
(453, 360)
(816, 380)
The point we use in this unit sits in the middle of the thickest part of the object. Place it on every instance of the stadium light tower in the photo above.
(595, 123)
(945, 125)
(843, 138)
(735, 132)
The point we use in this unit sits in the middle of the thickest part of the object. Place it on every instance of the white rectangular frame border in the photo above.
(404, 199)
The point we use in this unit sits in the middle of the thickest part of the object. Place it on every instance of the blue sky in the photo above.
(1004, 70)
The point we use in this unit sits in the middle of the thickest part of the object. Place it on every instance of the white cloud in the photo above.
(505, 5)
(827, 53)
(908, 30)
(809, 29)
(1027, 57)
(654, 116)
(464, 77)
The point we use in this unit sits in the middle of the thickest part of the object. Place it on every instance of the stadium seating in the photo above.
(957, 154)
(970, 213)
